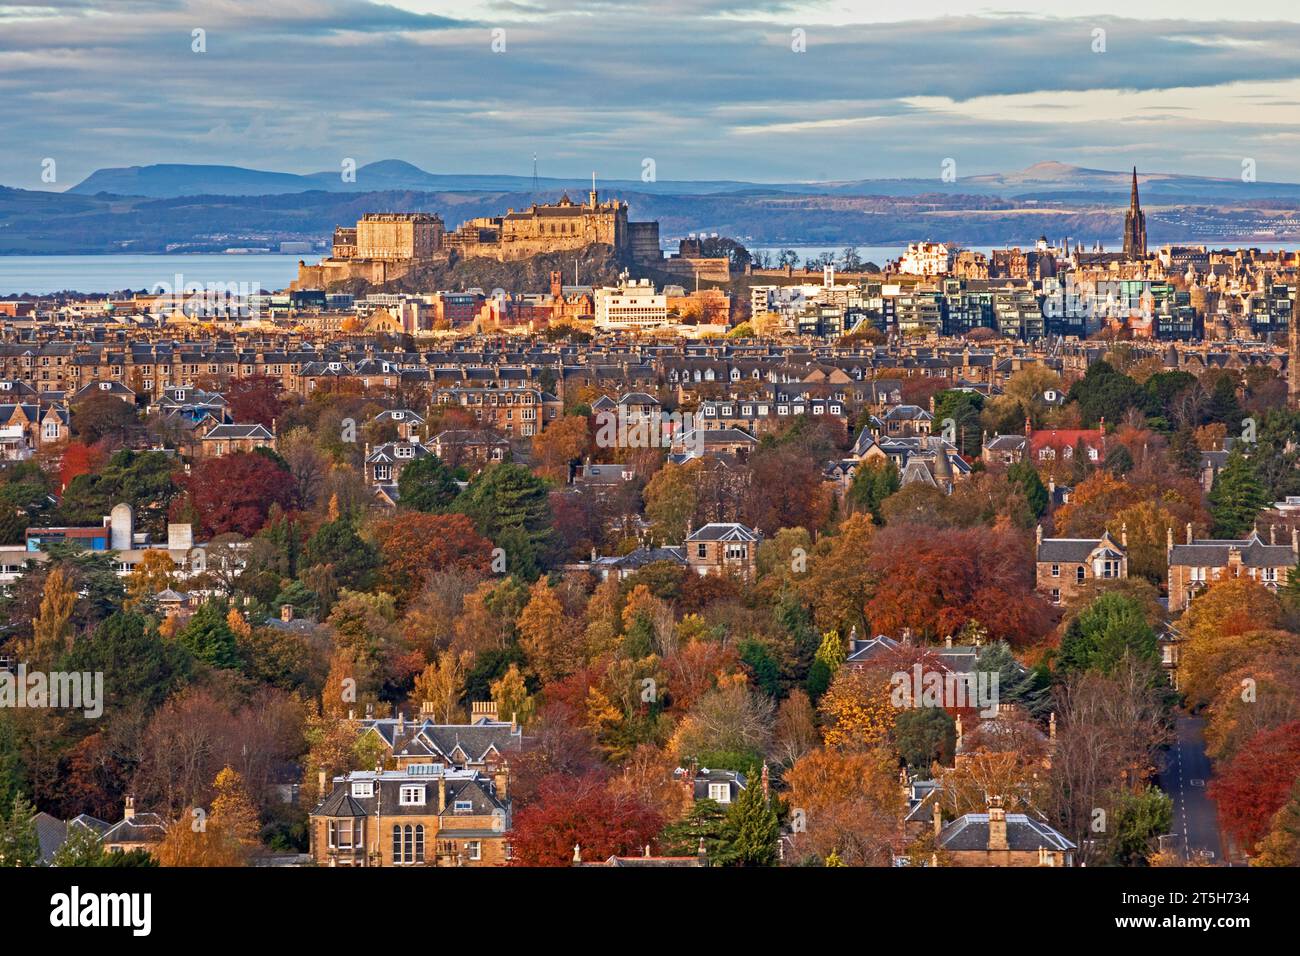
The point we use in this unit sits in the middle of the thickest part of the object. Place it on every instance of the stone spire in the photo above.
(1135, 225)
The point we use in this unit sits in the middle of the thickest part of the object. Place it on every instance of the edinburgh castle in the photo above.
(385, 246)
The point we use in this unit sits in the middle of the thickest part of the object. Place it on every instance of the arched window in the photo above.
(410, 849)
(397, 843)
(419, 843)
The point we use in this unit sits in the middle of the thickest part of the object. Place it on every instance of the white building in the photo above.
(926, 259)
(632, 304)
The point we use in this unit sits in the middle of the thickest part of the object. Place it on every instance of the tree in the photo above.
(670, 503)
(413, 545)
(232, 810)
(154, 572)
(707, 822)
(558, 445)
(580, 812)
(1281, 847)
(208, 637)
(81, 848)
(441, 684)
(191, 843)
(138, 666)
(1139, 819)
(1218, 624)
(510, 506)
(796, 728)
(510, 694)
(849, 805)
(337, 547)
(52, 631)
(103, 418)
(19, 845)
(1111, 629)
(235, 492)
(924, 736)
(838, 583)
(1251, 789)
(427, 484)
(253, 398)
(964, 409)
(753, 825)
(856, 711)
(143, 479)
(546, 635)
(1023, 474)
(1237, 497)
(873, 482)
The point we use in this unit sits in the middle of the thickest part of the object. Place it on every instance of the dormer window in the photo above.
(405, 451)
(363, 788)
(411, 795)
(463, 806)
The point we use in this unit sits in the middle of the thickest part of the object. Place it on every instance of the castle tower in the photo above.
(1135, 225)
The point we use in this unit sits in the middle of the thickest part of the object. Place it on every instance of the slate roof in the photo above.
(722, 531)
(1213, 553)
(971, 832)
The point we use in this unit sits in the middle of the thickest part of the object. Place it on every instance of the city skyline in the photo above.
(711, 93)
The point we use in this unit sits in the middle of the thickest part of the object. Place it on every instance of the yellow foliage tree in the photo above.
(154, 572)
(856, 710)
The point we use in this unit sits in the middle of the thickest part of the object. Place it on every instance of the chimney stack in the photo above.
(129, 812)
(997, 825)
(936, 815)
(286, 613)
(1189, 532)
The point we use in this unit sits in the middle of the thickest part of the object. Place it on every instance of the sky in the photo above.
(707, 89)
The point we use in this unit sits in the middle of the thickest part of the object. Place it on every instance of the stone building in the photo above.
(1066, 565)
(1200, 562)
(722, 548)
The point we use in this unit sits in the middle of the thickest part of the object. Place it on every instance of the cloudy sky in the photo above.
(709, 89)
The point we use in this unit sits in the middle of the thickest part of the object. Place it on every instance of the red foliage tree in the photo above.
(78, 459)
(1251, 789)
(936, 582)
(234, 493)
(580, 811)
(253, 399)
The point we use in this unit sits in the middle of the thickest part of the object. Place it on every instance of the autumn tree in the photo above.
(53, 630)
(580, 813)
(154, 572)
(232, 810)
(235, 492)
(546, 634)
(562, 442)
(848, 803)
(670, 503)
(440, 685)
(412, 545)
(1257, 783)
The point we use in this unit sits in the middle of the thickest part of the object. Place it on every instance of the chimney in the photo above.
(1189, 532)
(286, 613)
(501, 778)
(1169, 543)
(321, 784)
(442, 791)
(129, 812)
(1123, 535)
(997, 825)
(646, 854)
(1295, 541)
(577, 854)
(1272, 534)
(426, 708)
(1038, 535)
(702, 854)
(1051, 726)
(936, 814)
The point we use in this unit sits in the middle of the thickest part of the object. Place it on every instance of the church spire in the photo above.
(1135, 225)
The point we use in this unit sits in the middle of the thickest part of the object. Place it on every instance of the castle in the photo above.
(385, 246)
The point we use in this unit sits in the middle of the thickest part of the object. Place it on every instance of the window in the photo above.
(383, 472)
(408, 840)
(411, 795)
(720, 792)
(463, 806)
(474, 849)
(397, 843)
(405, 451)
(1078, 574)
(419, 843)
(1056, 595)
(702, 550)
(1056, 570)
(364, 788)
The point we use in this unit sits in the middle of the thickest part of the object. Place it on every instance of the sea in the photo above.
(268, 272)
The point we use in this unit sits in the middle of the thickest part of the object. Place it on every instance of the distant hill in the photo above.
(168, 181)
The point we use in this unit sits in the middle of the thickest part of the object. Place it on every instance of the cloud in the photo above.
(708, 89)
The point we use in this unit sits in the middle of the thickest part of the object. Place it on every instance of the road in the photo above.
(1187, 771)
